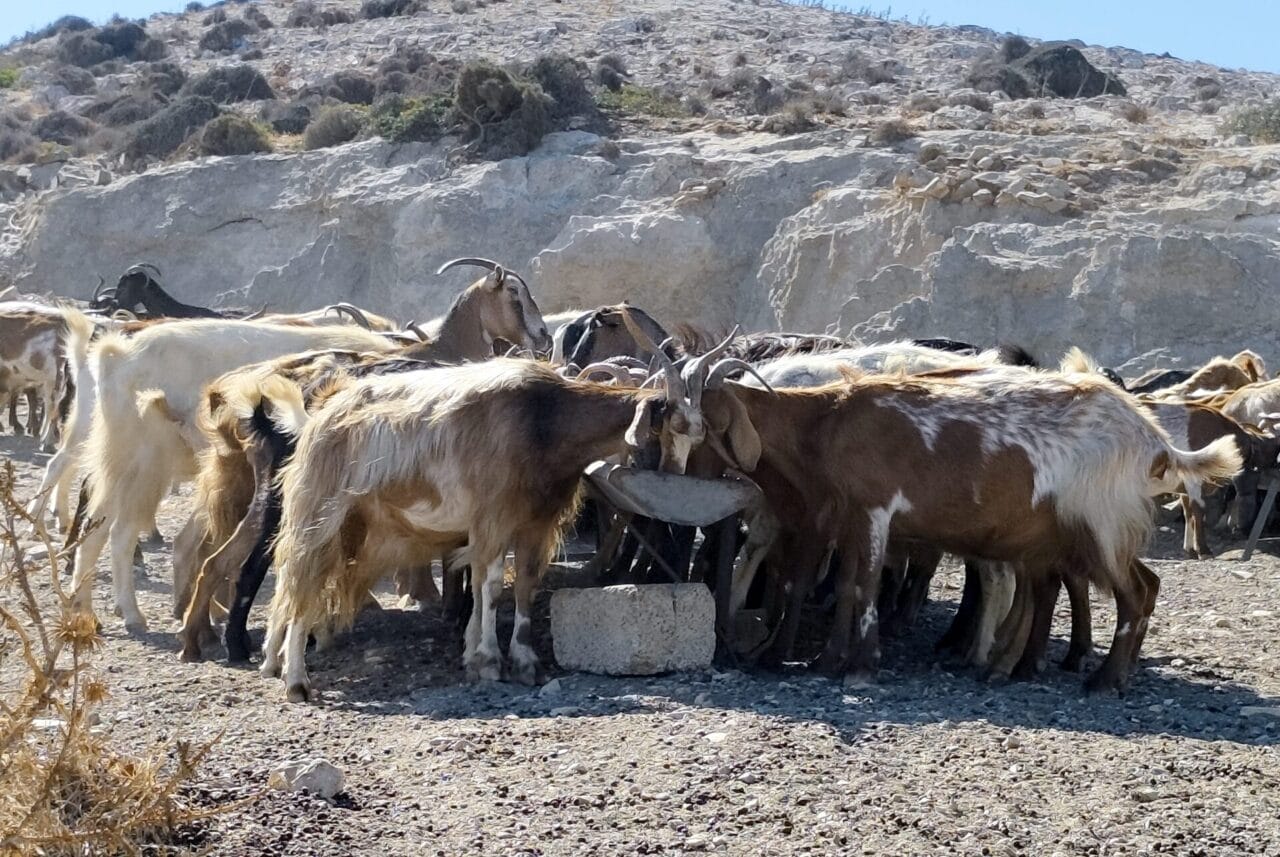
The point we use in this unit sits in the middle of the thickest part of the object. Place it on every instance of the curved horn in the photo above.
(695, 374)
(627, 362)
(487, 264)
(357, 315)
(732, 364)
(97, 291)
(417, 331)
(617, 373)
(256, 314)
(643, 340)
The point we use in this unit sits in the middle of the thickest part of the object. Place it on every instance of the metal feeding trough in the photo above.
(689, 501)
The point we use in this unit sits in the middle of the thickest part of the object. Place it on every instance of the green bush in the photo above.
(333, 126)
(643, 100)
(1261, 122)
(409, 120)
(231, 134)
(8, 78)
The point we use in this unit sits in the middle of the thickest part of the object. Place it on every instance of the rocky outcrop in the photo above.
(987, 241)
(1047, 222)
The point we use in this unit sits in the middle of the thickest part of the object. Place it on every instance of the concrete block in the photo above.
(634, 630)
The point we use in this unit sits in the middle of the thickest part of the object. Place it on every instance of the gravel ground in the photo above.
(929, 761)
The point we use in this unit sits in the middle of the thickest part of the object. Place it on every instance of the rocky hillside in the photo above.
(778, 165)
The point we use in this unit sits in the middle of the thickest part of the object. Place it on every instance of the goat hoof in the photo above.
(527, 674)
(1072, 663)
(269, 670)
(189, 655)
(136, 627)
(863, 678)
(1101, 682)
(298, 692)
(484, 668)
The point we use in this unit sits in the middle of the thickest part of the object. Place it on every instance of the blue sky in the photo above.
(1230, 33)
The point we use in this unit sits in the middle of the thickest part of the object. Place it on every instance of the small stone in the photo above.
(1144, 794)
(936, 189)
(749, 778)
(716, 737)
(983, 197)
(931, 151)
(937, 165)
(1051, 163)
(1262, 614)
(1222, 622)
(991, 162)
(1080, 179)
(1243, 575)
(697, 842)
(317, 776)
(551, 688)
(1012, 742)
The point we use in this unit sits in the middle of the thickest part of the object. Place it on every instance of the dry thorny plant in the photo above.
(63, 788)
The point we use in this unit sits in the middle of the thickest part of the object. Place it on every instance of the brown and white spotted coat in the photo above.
(31, 347)
(1050, 471)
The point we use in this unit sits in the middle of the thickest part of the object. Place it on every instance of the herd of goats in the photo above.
(341, 447)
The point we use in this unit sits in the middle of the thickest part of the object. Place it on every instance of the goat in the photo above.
(1219, 375)
(333, 312)
(236, 471)
(138, 290)
(396, 467)
(1053, 471)
(143, 437)
(31, 346)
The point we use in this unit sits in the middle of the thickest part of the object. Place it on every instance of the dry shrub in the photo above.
(371, 9)
(63, 788)
(564, 79)
(1135, 113)
(891, 132)
(333, 126)
(231, 134)
(163, 133)
(611, 72)
(307, 14)
(229, 84)
(502, 116)
(795, 118)
(1014, 48)
(227, 36)
(1261, 122)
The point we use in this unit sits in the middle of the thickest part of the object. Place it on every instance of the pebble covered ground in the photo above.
(931, 760)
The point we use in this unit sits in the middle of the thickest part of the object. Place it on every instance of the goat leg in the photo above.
(1081, 623)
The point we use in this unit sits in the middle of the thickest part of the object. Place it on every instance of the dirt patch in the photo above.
(930, 760)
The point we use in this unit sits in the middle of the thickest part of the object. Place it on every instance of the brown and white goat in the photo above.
(394, 468)
(1052, 471)
(31, 352)
(232, 488)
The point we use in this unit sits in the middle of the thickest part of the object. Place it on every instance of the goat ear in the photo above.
(732, 420)
(642, 424)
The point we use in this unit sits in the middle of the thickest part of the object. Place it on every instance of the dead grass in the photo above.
(63, 788)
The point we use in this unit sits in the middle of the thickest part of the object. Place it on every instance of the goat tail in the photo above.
(1216, 463)
(279, 397)
(1075, 360)
(79, 336)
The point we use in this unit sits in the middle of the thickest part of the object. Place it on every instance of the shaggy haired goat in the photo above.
(143, 436)
(396, 468)
(1052, 471)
